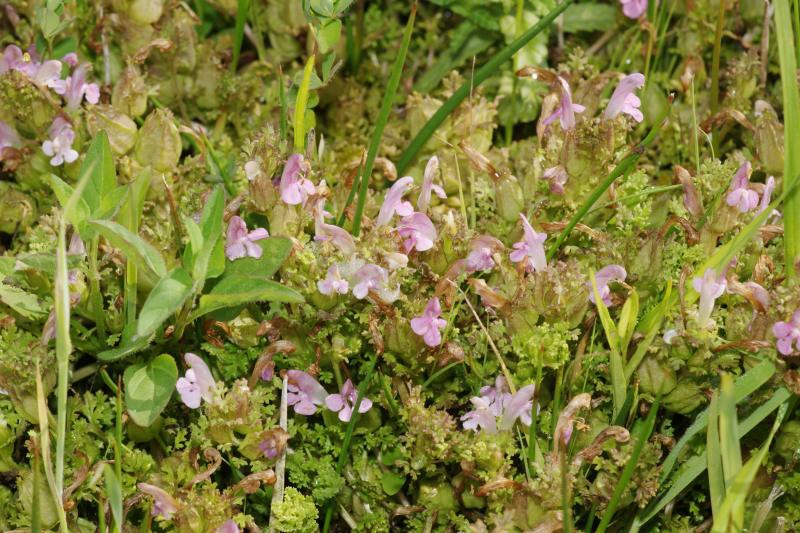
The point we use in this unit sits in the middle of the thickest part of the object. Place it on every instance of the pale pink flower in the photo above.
(295, 187)
(566, 110)
(324, 232)
(75, 88)
(480, 257)
(788, 333)
(164, 505)
(418, 231)
(252, 170)
(393, 202)
(344, 402)
(740, 196)
(603, 277)
(8, 136)
(59, 146)
(239, 243)
(304, 392)
(46, 73)
(498, 402)
(558, 178)
(633, 9)
(333, 282)
(71, 59)
(424, 199)
(623, 100)
(228, 527)
(710, 287)
(530, 249)
(197, 384)
(429, 325)
(368, 277)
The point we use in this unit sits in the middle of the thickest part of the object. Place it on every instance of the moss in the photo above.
(296, 513)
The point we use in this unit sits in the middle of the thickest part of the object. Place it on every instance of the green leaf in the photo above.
(731, 453)
(78, 215)
(24, 303)
(275, 250)
(114, 493)
(716, 476)
(328, 35)
(134, 247)
(618, 382)
(627, 320)
(237, 290)
(211, 229)
(164, 300)
(590, 17)
(126, 348)
(99, 163)
(148, 388)
(392, 482)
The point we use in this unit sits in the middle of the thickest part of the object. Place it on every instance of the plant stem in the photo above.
(96, 296)
(480, 76)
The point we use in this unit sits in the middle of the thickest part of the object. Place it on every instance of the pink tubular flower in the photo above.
(344, 402)
(59, 146)
(558, 178)
(393, 202)
(418, 231)
(197, 384)
(304, 392)
(239, 243)
(498, 402)
(74, 88)
(295, 187)
(740, 196)
(324, 232)
(710, 287)
(228, 527)
(530, 249)
(46, 73)
(602, 278)
(71, 59)
(164, 505)
(633, 9)
(566, 110)
(788, 333)
(623, 100)
(424, 199)
(8, 136)
(428, 325)
(333, 282)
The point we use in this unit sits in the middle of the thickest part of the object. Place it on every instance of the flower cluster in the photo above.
(499, 403)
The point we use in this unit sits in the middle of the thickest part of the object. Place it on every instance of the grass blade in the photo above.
(728, 431)
(716, 476)
(791, 139)
(480, 76)
(618, 383)
(114, 492)
(242, 8)
(383, 118)
(300, 106)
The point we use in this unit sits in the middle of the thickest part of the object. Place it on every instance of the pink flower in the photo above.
(345, 401)
(228, 527)
(480, 258)
(498, 402)
(566, 110)
(74, 88)
(623, 100)
(393, 202)
(710, 288)
(198, 383)
(164, 505)
(788, 333)
(427, 185)
(530, 249)
(633, 9)
(333, 282)
(740, 196)
(304, 392)
(8, 136)
(328, 232)
(428, 325)
(46, 73)
(59, 146)
(368, 277)
(418, 231)
(239, 243)
(602, 278)
(252, 170)
(71, 59)
(558, 178)
(295, 187)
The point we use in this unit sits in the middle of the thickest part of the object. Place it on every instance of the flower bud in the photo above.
(121, 130)
(684, 398)
(130, 93)
(159, 144)
(691, 196)
(768, 138)
(146, 11)
(655, 378)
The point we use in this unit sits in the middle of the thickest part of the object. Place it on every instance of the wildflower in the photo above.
(274, 442)
(710, 288)
(323, 231)
(228, 527)
(670, 335)
(393, 202)
(427, 185)
(59, 146)
(71, 59)
(602, 278)
(252, 170)
(304, 392)
(498, 402)
(633, 9)
(46, 73)
(428, 325)
(691, 196)
(295, 187)
(623, 100)
(788, 333)
(740, 196)
(558, 178)
(566, 110)
(344, 402)
(766, 197)
(198, 383)
(8, 136)
(530, 249)
(395, 260)
(74, 88)
(239, 243)
(418, 231)
(333, 282)
(164, 505)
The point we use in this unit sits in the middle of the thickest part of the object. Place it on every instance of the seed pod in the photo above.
(768, 138)
(130, 93)
(159, 144)
(684, 398)
(656, 378)
(121, 130)
(146, 11)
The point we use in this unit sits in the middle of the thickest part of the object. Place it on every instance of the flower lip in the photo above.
(418, 231)
(295, 187)
(239, 243)
(429, 325)
(623, 100)
(565, 112)
(393, 201)
(787, 334)
(602, 278)
(740, 195)
(344, 402)
(304, 392)
(530, 249)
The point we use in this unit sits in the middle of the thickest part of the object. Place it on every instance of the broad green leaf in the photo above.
(24, 303)
(44, 262)
(590, 17)
(627, 320)
(148, 388)
(134, 247)
(131, 211)
(126, 348)
(731, 453)
(80, 213)
(392, 482)
(99, 163)
(275, 250)
(164, 300)
(238, 290)
(114, 494)
(653, 327)
(328, 35)
(211, 229)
